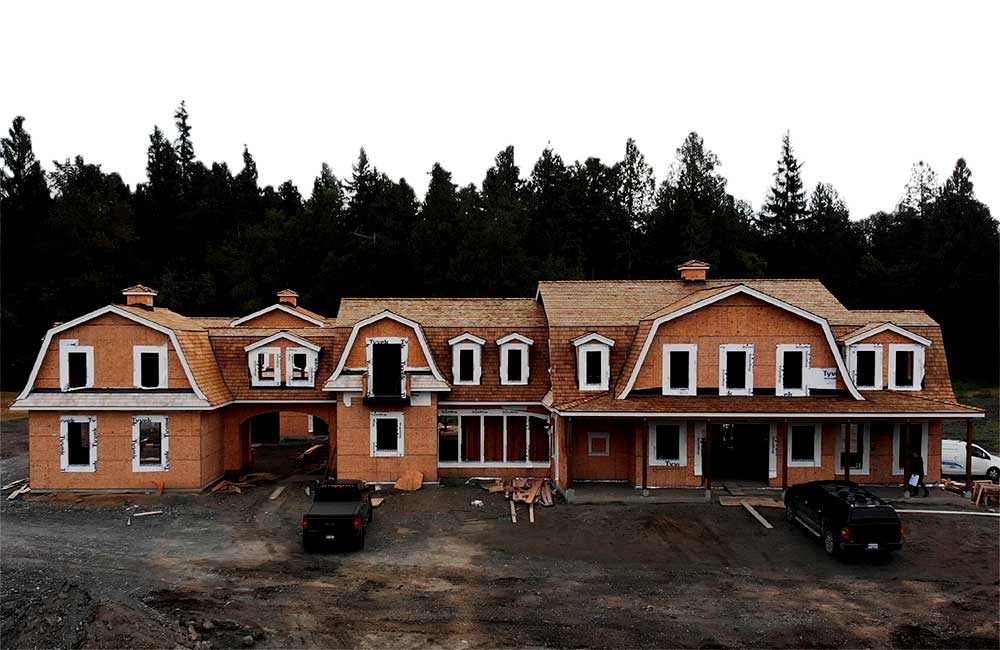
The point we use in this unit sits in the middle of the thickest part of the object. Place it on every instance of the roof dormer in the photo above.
(467, 359)
(514, 365)
(593, 361)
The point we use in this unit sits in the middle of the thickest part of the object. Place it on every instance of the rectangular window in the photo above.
(668, 442)
(857, 454)
(300, 365)
(78, 443)
(679, 375)
(493, 439)
(804, 445)
(736, 378)
(387, 434)
(448, 438)
(598, 443)
(77, 363)
(680, 369)
(904, 368)
(387, 370)
(594, 367)
(517, 446)
(538, 440)
(736, 369)
(514, 365)
(150, 443)
(792, 376)
(471, 428)
(265, 367)
(865, 368)
(917, 444)
(466, 365)
(149, 369)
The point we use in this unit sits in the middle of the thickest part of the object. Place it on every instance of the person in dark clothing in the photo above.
(917, 467)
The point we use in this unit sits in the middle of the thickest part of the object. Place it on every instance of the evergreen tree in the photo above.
(831, 246)
(185, 148)
(921, 190)
(636, 189)
(594, 199)
(505, 211)
(783, 215)
(553, 234)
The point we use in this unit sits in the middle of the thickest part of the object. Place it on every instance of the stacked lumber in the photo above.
(523, 490)
(985, 491)
(246, 481)
(953, 486)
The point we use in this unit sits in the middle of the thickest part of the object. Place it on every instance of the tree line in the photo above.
(214, 241)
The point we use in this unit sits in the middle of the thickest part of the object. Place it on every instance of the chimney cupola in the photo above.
(694, 271)
(288, 297)
(139, 296)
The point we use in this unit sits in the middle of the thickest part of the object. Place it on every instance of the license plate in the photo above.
(873, 547)
(332, 537)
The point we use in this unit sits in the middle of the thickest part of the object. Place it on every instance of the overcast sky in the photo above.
(866, 88)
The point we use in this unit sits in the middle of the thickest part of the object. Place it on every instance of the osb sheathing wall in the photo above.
(387, 327)
(114, 454)
(235, 415)
(739, 319)
(619, 464)
(293, 425)
(212, 445)
(354, 449)
(112, 338)
(277, 319)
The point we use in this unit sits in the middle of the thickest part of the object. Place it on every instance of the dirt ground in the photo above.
(227, 570)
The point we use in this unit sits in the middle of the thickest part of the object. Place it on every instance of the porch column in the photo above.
(968, 456)
(847, 449)
(784, 456)
(906, 458)
(645, 456)
(706, 461)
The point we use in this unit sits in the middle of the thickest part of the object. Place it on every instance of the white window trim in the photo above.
(918, 365)
(505, 348)
(817, 459)
(897, 469)
(779, 369)
(137, 352)
(506, 413)
(748, 370)
(164, 465)
(64, 465)
(599, 435)
(581, 365)
(477, 366)
(852, 363)
(404, 355)
(692, 350)
(73, 345)
(681, 444)
(311, 362)
(864, 440)
(400, 433)
(252, 358)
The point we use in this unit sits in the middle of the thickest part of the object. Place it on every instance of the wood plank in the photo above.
(531, 513)
(377, 501)
(759, 502)
(536, 487)
(950, 512)
(13, 483)
(513, 513)
(764, 522)
(147, 513)
(277, 493)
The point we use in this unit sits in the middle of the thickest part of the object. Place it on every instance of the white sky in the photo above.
(866, 88)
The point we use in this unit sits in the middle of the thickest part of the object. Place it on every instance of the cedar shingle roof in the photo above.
(447, 312)
(901, 317)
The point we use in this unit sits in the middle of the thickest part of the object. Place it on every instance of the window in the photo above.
(149, 366)
(805, 442)
(387, 434)
(300, 364)
(78, 443)
(668, 443)
(492, 438)
(736, 369)
(514, 359)
(467, 351)
(906, 366)
(386, 379)
(598, 443)
(680, 369)
(265, 367)
(865, 364)
(790, 371)
(858, 453)
(918, 443)
(150, 443)
(76, 365)
(593, 361)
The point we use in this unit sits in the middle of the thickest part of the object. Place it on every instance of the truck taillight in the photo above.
(901, 531)
(845, 533)
(305, 524)
(357, 523)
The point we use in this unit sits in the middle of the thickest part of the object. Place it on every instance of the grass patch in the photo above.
(6, 414)
(964, 389)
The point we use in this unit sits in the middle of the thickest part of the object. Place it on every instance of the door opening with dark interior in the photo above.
(387, 370)
(740, 451)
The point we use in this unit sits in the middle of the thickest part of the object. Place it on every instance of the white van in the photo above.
(983, 463)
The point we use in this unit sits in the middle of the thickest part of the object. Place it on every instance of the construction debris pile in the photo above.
(247, 481)
(522, 490)
(21, 487)
(983, 492)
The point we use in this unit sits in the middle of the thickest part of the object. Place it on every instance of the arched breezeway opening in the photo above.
(280, 439)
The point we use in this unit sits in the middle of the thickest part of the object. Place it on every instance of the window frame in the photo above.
(581, 365)
(852, 364)
(897, 432)
(779, 369)
(64, 422)
(312, 358)
(161, 352)
(599, 435)
(682, 435)
(724, 348)
(404, 357)
(400, 419)
(817, 459)
(252, 358)
(481, 414)
(66, 346)
(164, 465)
(692, 350)
(510, 342)
(456, 363)
(919, 357)
(864, 440)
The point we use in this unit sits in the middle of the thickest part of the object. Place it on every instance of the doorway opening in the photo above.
(740, 451)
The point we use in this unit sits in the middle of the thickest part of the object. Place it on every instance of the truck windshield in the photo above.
(338, 493)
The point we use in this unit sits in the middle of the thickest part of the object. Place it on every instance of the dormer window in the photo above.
(149, 366)
(790, 372)
(386, 365)
(864, 361)
(76, 365)
(593, 364)
(736, 369)
(906, 366)
(680, 369)
(265, 367)
(466, 359)
(300, 366)
(514, 359)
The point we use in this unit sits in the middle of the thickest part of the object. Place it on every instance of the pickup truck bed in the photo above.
(338, 516)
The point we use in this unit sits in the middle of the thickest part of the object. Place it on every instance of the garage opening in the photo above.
(274, 442)
(740, 451)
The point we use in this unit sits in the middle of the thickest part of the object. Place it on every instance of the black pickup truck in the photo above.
(339, 515)
(845, 516)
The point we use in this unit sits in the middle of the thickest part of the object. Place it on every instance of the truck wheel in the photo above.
(790, 513)
(993, 474)
(829, 540)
